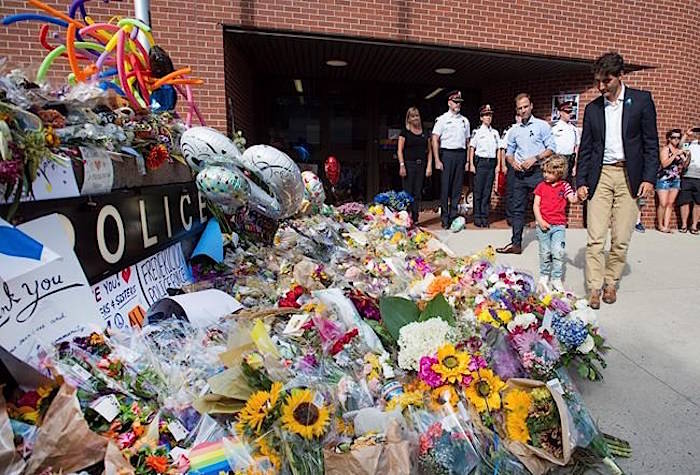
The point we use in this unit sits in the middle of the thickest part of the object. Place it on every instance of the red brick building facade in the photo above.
(660, 37)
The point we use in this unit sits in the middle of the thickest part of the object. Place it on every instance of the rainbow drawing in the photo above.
(208, 458)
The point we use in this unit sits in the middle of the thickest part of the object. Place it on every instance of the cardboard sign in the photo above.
(119, 299)
(99, 172)
(53, 180)
(49, 303)
(162, 271)
(123, 298)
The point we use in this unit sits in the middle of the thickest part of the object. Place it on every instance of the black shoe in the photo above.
(509, 249)
(445, 226)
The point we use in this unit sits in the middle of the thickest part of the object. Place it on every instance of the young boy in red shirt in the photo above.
(551, 197)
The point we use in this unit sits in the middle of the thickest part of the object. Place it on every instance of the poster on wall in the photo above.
(124, 298)
(41, 282)
(563, 97)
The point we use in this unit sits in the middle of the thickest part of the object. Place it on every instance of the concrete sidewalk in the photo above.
(651, 392)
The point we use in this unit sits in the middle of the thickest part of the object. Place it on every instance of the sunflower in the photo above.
(452, 365)
(518, 402)
(255, 411)
(516, 428)
(271, 454)
(443, 395)
(484, 389)
(302, 416)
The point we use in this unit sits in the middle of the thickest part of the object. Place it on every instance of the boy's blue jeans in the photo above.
(552, 252)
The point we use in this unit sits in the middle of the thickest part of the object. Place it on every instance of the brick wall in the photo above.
(662, 34)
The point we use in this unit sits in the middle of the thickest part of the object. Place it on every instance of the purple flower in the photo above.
(307, 363)
(477, 362)
(426, 373)
(561, 306)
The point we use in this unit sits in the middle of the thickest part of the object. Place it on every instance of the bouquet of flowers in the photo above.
(396, 201)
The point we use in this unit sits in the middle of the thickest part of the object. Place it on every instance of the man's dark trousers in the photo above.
(483, 185)
(451, 182)
(510, 183)
(524, 184)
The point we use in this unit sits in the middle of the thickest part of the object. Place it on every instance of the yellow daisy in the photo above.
(301, 416)
(443, 395)
(452, 365)
(483, 392)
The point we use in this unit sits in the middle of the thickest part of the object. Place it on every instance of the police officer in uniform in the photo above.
(566, 136)
(450, 139)
(483, 151)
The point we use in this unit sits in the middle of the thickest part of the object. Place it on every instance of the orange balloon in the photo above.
(70, 51)
(173, 75)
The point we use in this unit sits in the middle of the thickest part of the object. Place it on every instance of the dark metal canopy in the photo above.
(303, 56)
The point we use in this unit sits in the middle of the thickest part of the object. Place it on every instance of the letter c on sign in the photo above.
(110, 257)
(187, 225)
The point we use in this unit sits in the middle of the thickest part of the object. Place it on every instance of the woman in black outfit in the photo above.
(415, 158)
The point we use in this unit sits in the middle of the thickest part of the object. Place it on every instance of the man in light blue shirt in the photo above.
(529, 143)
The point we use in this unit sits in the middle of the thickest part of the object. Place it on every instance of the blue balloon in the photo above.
(303, 152)
(104, 85)
(10, 19)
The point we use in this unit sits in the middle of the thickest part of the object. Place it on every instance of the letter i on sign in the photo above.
(136, 316)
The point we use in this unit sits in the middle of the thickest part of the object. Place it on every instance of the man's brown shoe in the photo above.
(509, 249)
(609, 294)
(594, 299)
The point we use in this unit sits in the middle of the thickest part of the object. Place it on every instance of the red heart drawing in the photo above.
(98, 164)
(126, 273)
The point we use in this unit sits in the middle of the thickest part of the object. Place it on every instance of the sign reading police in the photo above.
(118, 229)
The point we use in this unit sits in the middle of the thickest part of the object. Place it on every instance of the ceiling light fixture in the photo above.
(337, 63)
(298, 86)
(434, 93)
(445, 71)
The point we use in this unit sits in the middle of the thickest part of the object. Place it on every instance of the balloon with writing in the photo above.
(332, 168)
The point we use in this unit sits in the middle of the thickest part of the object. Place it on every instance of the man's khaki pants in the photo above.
(612, 198)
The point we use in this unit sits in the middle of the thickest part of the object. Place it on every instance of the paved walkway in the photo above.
(651, 394)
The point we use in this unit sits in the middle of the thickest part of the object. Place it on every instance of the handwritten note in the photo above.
(51, 302)
(120, 300)
(162, 271)
(99, 173)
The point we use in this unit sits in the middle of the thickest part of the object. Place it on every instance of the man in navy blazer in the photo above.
(617, 164)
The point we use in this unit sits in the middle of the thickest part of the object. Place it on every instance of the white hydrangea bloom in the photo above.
(420, 339)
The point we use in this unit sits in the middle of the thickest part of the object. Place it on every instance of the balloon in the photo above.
(281, 175)
(10, 19)
(332, 168)
(202, 146)
(313, 188)
(172, 75)
(121, 68)
(228, 188)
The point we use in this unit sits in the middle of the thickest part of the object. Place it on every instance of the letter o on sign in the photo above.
(108, 256)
